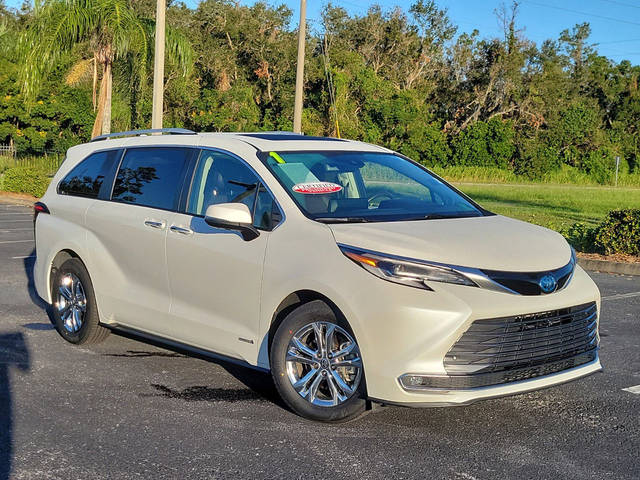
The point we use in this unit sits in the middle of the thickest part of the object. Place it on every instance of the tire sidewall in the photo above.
(316, 311)
(90, 320)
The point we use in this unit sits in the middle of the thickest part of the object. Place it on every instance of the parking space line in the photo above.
(15, 221)
(635, 389)
(16, 241)
(622, 295)
(14, 213)
(23, 256)
(7, 230)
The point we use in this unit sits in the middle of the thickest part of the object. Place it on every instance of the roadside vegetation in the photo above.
(404, 77)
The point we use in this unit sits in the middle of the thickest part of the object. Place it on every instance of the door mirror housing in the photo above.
(232, 216)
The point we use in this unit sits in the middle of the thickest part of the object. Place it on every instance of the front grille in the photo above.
(508, 349)
(528, 283)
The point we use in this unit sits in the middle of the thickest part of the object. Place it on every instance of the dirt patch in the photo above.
(21, 198)
(618, 257)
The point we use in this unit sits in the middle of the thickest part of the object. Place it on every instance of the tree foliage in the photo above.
(406, 79)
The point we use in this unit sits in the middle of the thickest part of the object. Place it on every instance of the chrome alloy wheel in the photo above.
(71, 302)
(323, 364)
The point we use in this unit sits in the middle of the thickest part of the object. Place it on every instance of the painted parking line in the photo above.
(13, 213)
(20, 257)
(622, 295)
(635, 389)
(8, 230)
(16, 241)
(16, 221)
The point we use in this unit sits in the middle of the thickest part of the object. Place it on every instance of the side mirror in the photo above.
(232, 216)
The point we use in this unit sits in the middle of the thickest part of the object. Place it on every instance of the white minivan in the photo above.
(350, 272)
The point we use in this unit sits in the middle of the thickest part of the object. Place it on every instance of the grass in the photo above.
(48, 163)
(554, 206)
(565, 175)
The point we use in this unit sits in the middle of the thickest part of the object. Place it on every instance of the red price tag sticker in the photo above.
(315, 188)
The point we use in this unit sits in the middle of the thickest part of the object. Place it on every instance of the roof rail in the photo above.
(137, 133)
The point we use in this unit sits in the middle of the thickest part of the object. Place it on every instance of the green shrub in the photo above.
(620, 232)
(33, 181)
(582, 237)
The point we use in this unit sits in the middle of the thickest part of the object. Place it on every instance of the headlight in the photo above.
(403, 271)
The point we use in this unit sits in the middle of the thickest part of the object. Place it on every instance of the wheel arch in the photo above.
(57, 261)
(295, 300)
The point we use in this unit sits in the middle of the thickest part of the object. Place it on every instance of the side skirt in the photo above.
(181, 347)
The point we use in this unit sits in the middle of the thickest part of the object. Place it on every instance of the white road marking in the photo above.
(7, 230)
(16, 241)
(622, 295)
(14, 221)
(23, 256)
(635, 389)
(15, 213)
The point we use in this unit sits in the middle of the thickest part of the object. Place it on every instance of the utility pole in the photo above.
(302, 37)
(158, 66)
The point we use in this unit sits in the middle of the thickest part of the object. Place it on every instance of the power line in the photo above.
(619, 41)
(621, 3)
(611, 19)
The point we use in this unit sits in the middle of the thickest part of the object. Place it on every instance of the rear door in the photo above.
(214, 274)
(128, 233)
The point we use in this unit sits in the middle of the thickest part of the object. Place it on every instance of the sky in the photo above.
(615, 24)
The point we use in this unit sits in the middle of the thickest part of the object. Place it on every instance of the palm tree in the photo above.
(108, 30)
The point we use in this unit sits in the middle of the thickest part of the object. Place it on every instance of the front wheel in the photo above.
(316, 365)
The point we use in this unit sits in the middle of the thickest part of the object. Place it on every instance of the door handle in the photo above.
(181, 230)
(155, 224)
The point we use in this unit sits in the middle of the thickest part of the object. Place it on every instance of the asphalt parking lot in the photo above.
(128, 409)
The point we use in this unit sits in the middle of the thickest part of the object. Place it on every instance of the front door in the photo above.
(215, 275)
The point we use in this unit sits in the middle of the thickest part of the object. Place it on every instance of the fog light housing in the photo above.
(412, 381)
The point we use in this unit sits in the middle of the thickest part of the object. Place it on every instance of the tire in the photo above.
(74, 308)
(330, 401)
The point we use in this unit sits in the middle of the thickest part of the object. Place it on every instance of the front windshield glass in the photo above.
(331, 186)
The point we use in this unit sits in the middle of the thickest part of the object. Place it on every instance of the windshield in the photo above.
(343, 186)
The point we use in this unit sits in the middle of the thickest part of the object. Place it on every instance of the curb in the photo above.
(609, 267)
(16, 199)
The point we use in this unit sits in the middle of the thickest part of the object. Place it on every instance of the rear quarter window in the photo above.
(86, 178)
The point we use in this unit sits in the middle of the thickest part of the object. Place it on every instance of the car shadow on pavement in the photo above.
(259, 384)
(13, 352)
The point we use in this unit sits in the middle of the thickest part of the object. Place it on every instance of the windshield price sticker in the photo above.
(314, 188)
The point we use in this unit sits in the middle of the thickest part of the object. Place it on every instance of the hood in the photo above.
(492, 242)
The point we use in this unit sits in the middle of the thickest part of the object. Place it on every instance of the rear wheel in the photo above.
(317, 366)
(74, 304)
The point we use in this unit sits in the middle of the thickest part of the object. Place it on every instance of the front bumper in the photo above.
(448, 398)
(403, 330)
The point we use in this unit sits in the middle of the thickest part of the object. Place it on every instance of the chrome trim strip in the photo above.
(474, 274)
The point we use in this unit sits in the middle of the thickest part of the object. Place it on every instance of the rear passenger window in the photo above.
(151, 177)
(86, 178)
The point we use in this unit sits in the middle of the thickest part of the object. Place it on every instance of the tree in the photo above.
(106, 30)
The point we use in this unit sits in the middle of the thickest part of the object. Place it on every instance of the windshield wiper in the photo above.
(438, 216)
(341, 219)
